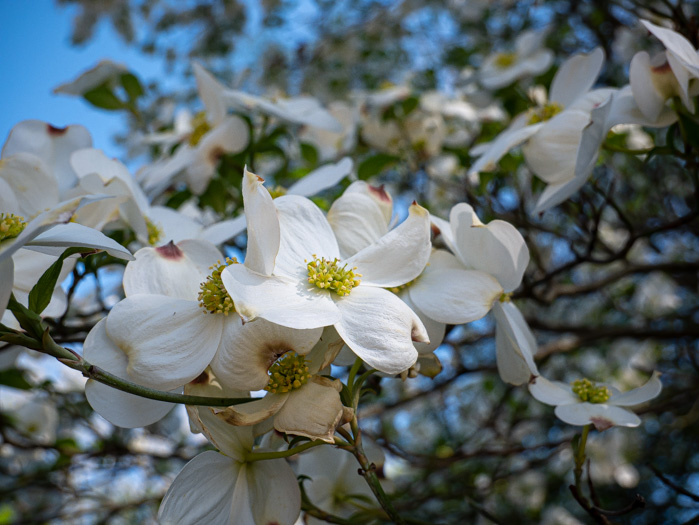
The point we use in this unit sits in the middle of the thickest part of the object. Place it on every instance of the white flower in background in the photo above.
(420, 131)
(487, 263)
(34, 417)
(294, 275)
(302, 110)
(335, 485)
(619, 107)
(299, 400)
(657, 295)
(316, 181)
(105, 72)
(585, 402)
(52, 145)
(213, 133)
(153, 225)
(550, 158)
(223, 488)
(530, 58)
(331, 144)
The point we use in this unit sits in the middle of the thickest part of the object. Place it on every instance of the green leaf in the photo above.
(27, 319)
(131, 85)
(7, 514)
(309, 154)
(375, 165)
(15, 379)
(40, 296)
(104, 98)
(409, 105)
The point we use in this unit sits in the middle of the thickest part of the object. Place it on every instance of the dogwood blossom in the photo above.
(294, 276)
(584, 402)
(299, 400)
(528, 59)
(487, 262)
(224, 487)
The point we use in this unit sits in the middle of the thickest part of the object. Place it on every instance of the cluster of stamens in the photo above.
(155, 233)
(277, 191)
(503, 60)
(213, 297)
(288, 373)
(397, 289)
(200, 128)
(587, 391)
(11, 225)
(328, 275)
(545, 112)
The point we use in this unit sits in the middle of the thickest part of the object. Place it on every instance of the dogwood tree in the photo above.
(284, 314)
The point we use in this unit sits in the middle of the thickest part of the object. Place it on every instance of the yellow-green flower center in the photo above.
(201, 128)
(397, 289)
(155, 232)
(328, 275)
(11, 225)
(505, 297)
(288, 373)
(277, 191)
(545, 112)
(587, 391)
(213, 297)
(503, 60)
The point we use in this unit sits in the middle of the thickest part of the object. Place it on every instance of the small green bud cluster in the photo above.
(544, 113)
(503, 60)
(155, 233)
(213, 297)
(587, 391)
(288, 373)
(327, 275)
(11, 225)
(200, 128)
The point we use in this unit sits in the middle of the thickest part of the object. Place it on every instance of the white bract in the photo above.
(584, 402)
(52, 145)
(670, 74)
(487, 262)
(49, 232)
(360, 217)
(105, 72)
(294, 275)
(224, 488)
(529, 58)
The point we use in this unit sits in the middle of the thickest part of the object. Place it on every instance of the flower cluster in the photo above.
(325, 295)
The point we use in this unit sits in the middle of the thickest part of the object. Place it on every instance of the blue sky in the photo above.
(36, 55)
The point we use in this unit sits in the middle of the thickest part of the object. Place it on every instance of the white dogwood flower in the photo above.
(529, 58)
(294, 275)
(487, 262)
(224, 487)
(585, 402)
(299, 400)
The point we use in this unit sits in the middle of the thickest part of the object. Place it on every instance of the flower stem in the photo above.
(580, 455)
(368, 471)
(259, 456)
(75, 361)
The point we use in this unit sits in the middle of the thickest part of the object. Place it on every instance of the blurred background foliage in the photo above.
(611, 291)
